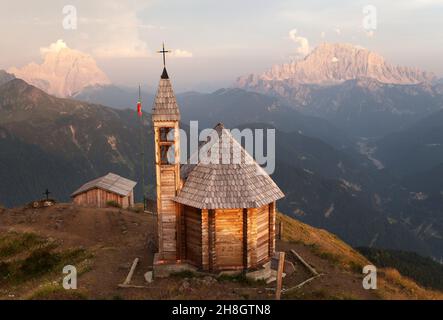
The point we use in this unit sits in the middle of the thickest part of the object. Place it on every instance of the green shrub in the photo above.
(13, 243)
(423, 270)
(239, 278)
(39, 262)
(4, 270)
(52, 291)
(184, 274)
(136, 209)
(113, 203)
(356, 267)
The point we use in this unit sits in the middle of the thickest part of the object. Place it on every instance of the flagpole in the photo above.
(143, 151)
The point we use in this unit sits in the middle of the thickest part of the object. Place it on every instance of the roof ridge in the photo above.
(111, 182)
(212, 186)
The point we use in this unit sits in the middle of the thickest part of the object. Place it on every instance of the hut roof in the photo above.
(110, 182)
(235, 183)
(165, 105)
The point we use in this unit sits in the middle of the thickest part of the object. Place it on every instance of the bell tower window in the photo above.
(166, 134)
(167, 154)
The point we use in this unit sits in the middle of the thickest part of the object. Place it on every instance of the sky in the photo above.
(212, 41)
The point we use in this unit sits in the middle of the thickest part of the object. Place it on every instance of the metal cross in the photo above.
(47, 193)
(164, 56)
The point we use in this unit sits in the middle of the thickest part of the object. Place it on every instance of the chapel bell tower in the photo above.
(165, 118)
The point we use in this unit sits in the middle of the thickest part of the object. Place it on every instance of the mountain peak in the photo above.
(332, 63)
(18, 86)
(5, 77)
(17, 93)
(64, 71)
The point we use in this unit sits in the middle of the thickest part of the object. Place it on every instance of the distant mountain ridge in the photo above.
(232, 106)
(115, 96)
(332, 63)
(352, 87)
(5, 77)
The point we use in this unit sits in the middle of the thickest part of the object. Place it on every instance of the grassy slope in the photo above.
(423, 270)
(34, 245)
(29, 264)
(391, 284)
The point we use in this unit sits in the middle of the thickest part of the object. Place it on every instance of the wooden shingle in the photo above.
(165, 105)
(110, 182)
(241, 183)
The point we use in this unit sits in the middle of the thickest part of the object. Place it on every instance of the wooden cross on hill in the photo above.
(47, 193)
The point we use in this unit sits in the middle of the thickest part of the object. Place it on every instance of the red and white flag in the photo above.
(139, 102)
(139, 108)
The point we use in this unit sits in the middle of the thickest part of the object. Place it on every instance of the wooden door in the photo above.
(262, 233)
(229, 238)
(193, 231)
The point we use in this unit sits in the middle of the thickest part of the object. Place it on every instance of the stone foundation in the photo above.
(165, 269)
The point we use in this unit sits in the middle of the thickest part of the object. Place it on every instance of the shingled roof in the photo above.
(241, 183)
(165, 105)
(110, 182)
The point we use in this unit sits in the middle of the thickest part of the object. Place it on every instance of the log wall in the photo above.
(193, 234)
(98, 198)
(251, 252)
(228, 239)
(262, 218)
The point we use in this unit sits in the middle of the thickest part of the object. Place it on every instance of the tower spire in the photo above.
(165, 104)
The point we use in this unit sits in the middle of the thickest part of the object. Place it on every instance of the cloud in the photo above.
(63, 71)
(54, 47)
(302, 42)
(178, 53)
(124, 49)
(370, 33)
(426, 3)
(114, 30)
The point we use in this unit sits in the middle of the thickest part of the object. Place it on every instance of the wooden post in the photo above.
(131, 272)
(179, 215)
(280, 230)
(245, 239)
(211, 239)
(311, 269)
(281, 264)
(271, 229)
(205, 239)
(183, 231)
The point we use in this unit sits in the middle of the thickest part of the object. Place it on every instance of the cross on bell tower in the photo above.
(163, 52)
